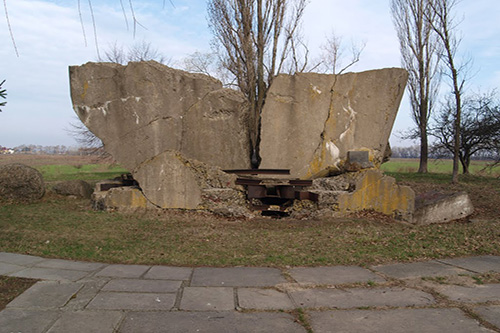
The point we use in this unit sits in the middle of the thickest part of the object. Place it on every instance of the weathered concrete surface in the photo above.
(170, 128)
(356, 191)
(310, 121)
(442, 208)
(127, 198)
(396, 321)
(333, 275)
(145, 108)
(418, 269)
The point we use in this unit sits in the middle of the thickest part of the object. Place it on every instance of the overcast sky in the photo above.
(49, 38)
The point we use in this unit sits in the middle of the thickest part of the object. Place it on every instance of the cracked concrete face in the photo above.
(144, 109)
(310, 121)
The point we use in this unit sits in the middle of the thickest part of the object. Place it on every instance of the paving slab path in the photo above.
(84, 297)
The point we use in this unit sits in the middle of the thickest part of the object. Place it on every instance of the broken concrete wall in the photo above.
(144, 109)
(157, 122)
(310, 121)
(357, 191)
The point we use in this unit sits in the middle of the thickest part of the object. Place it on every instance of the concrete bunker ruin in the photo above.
(179, 133)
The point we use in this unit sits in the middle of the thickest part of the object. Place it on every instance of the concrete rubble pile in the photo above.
(177, 131)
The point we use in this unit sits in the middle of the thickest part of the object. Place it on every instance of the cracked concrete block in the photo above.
(310, 121)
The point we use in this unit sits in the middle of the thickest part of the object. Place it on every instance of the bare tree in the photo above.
(420, 57)
(333, 54)
(254, 40)
(140, 51)
(3, 94)
(479, 128)
(445, 25)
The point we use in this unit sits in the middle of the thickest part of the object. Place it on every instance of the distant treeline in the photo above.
(414, 152)
(50, 150)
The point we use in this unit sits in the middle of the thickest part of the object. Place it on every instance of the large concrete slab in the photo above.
(481, 264)
(70, 265)
(489, 313)
(19, 259)
(209, 322)
(87, 322)
(476, 294)
(394, 321)
(50, 274)
(123, 271)
(132, 301)
(46, 295)
(6, 269)
(207, 299)
(333, 275)
(143, 286)
(237, 277)
(418, 269)
(169, 273)
(358, 297)
(26, 321)
(263, 299)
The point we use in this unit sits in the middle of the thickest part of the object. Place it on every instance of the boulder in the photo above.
(19, 182)
(310, 121)
(78, 188)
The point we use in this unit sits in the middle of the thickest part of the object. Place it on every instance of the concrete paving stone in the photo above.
(418, 269)
(50, 274)
(87, 322)
(263, 299)
(46, 294)
(9, 268)
(26, 321)
(476, 294)
(209, 322)
(359, 297)
(481, 264)
(489, 313)
(333, 275)
(19, 259)
(207, 299)
(132, 301)
(394, 321)
(143, 286)
(237, 277)
(169, 273)
(70, 265)
(123, 271)
(89, 290)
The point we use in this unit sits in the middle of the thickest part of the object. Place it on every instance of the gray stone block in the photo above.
(143, 286)
(394, 321)
(418, 269)
(237, 277)
(481, 264)
(333, 275)
(476, 294)
(6, 269)
(87, 322)
(263, 299)
(46, 295)
(169, 273)
(207, 299)
(358, 297)
(26, 321)
(19, 259)
(69, 265)
(489, 313)
(132, 301)
(50, 274)
(209, 322)
(123, 271)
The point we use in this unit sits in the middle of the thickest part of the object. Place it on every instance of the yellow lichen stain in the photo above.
(85, 88)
